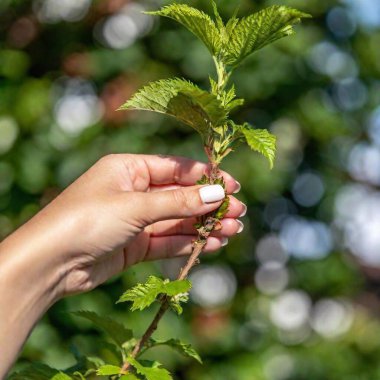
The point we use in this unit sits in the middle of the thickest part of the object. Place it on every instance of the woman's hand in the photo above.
(132, 208)
(125, 209)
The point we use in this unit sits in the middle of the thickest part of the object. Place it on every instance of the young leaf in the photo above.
(182, 100)
(184, 349)
(252, 33)
(196, 21)
(129, 376)
(175, 302)
(143, 295)
(107, 370)
(114, 329)
(150, 373)
(173, 288)
(261, 141)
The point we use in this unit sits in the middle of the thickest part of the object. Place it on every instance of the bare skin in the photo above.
(124, 210)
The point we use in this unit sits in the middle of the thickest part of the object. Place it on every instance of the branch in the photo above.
(198, 246)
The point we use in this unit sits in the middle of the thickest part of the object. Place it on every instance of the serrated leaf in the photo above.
(233, 42)
(150, 373)
(129, 376)
(61, 376)
(181, 99)
(114, 329)
(261, 141)
(252, 33)
(107, 370)
(184, 349)
(196, 21)
(143, 295)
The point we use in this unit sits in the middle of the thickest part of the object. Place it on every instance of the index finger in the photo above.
(167, 170)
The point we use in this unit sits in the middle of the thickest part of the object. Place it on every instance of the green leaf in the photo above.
(249, 34)
(143, 295)
(150, 373)
(181, 99)
(114, 329)
(196, 21)
(184, 349)
(233, 42)
(175, 302)
(173, 288)
(107, 370)
(261, 141)
(129, 376)
(223, 209)
(61, 376)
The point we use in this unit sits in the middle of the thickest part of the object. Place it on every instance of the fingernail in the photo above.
(238, 187)
(212, 193)
(224, 242)
(241, 226)
(244, 212)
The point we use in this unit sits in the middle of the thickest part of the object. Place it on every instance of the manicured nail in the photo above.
(224, 242)
(212, 193)
(244, 212)
(241, 226)
(238, 187)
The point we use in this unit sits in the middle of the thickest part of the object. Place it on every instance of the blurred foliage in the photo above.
(284, 300)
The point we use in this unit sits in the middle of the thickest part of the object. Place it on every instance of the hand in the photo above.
(125, 209)
(132, 208)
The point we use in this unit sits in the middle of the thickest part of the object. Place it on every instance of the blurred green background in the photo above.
(293, 297)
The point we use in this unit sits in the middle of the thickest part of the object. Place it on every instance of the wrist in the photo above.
(28, 287)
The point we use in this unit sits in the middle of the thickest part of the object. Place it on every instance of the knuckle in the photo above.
(107, 160)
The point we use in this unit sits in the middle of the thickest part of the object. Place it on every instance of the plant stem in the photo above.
(198, 246)
(209, 225)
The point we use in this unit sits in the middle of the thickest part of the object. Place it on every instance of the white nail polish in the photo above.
(239, 187)
(212, 193)
(244, 212)
(241, 226)
(224, 242)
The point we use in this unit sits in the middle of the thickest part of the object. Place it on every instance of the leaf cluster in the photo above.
(143, 295)
(230, 43)
(208, 112)
(122, 345)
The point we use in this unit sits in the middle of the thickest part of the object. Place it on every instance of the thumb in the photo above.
(184, 202)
